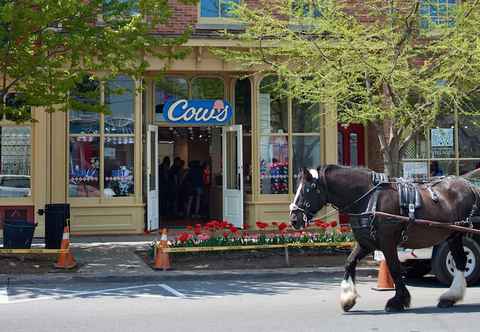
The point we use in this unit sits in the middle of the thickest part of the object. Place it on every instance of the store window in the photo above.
(437, 12)
(286, 126)
(208, 88)
(437, 152)
(169, 88)
(307, 8)
(15, 161)
(217, 8)
(273, 122)
(90, 147)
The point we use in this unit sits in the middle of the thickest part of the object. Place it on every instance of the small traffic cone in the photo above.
(65, 260)
(162, 260)
(385, 280)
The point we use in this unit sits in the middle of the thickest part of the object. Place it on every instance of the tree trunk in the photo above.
(391, 161)
(390, 149)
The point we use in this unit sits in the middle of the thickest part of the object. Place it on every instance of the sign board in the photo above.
(442, 137)
(416, 169)
(201, 111)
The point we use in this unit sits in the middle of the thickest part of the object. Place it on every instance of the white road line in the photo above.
(49, 289)
(4, 295)
(171, 290)
(77, 294)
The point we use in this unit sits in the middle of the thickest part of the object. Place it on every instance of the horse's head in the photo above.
(309, 198)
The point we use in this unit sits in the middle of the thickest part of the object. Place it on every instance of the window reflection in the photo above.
(84, 101)
(120, 101)
(15, 161)
(274, 165)
(119, 158)
(305, 117)
(469, 136)
(167, 89)
(84, 167)
(272, 107)
(207, 88)
(306, 153)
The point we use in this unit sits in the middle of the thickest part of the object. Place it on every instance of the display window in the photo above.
(102, 153)
(450, 147)
(15, 161)
(290, 137)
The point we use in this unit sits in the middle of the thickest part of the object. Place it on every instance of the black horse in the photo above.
(350, 190)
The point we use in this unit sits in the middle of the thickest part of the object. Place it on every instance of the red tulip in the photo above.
(282, 226)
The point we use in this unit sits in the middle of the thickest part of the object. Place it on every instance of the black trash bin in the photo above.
(57, 216)
(18, 234)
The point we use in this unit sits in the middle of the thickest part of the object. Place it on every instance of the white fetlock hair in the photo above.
(456, 292)
(348, 295)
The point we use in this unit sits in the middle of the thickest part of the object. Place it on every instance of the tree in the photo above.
(387, 63)
(48, 47)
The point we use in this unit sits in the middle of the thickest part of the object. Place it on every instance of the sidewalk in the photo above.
(113, 258)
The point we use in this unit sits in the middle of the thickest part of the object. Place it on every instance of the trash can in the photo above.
(57, 216)
(18, 234)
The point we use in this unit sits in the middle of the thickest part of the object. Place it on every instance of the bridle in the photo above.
(322, 180)
(307, 215)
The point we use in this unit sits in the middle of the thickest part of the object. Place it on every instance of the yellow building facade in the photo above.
(108, 167)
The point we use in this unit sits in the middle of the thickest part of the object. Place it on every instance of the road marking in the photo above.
(171, 290)
(73, 294)
(50, 289)
(4, 295)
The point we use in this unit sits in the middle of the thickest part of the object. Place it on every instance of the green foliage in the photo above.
(47, 47)
(378, 61)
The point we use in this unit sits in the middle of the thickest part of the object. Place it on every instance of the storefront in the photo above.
(451, 147)
(109, 166)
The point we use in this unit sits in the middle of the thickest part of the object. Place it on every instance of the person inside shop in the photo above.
(207, 180)
(175, 180)
(435, 169)
(163, 186)
(194, 188)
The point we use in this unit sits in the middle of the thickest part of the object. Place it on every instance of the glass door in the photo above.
(152, 178)
(233, 175)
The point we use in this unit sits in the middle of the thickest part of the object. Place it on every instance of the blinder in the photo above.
(310, 202)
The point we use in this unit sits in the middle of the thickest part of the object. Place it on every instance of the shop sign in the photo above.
(214, 112)
(442, 137)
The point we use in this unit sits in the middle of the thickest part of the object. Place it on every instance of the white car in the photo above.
(15, 186)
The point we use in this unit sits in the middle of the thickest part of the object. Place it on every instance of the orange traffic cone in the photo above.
(385, 280)
(66, 260)
(162, 260)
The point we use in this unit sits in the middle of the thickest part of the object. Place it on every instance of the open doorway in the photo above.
(189, 175)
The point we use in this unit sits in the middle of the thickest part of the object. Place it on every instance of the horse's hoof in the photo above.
(445, 303)
(348, 305)
(395, 308)
(393, 305)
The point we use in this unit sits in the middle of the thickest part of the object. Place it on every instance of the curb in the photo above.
(161, 276)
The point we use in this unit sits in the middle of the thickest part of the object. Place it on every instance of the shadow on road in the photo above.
(460, 308)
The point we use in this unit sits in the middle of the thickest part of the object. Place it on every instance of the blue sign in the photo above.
(204, 111)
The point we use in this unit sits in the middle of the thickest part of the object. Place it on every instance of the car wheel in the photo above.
(443, 265)
(416, 268)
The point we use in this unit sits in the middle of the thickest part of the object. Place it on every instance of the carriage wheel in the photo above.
(444, 265)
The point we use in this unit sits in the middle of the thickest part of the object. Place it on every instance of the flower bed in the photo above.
(221, 233)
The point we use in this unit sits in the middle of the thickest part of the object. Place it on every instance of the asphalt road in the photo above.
(281, 303)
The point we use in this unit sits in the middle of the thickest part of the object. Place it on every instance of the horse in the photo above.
(354, 191)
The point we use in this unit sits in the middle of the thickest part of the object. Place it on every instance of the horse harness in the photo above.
(364, 225)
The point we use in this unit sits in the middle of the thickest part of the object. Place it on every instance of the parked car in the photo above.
(15, 186)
